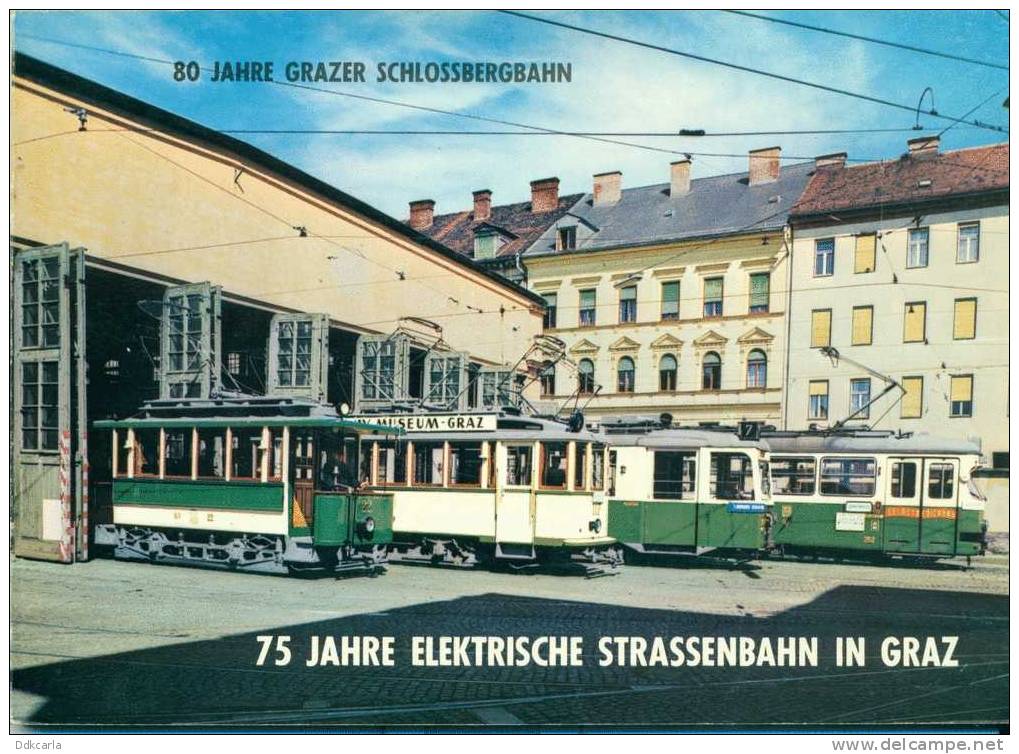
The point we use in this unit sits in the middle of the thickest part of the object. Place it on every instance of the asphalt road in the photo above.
(128, 645)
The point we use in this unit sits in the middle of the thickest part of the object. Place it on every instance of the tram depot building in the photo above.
(190, 263)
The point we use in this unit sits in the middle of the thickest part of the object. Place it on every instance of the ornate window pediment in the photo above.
(666, 342)
(625, 344)
(584, 347)
(710, 339)
(755, 338)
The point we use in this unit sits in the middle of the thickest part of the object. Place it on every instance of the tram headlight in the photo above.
(595, 525)
(367, 527)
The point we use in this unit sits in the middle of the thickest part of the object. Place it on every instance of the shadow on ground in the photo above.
(215, 683)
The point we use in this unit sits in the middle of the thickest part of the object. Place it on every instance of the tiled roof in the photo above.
(714, 206)
(456, 230)
(907, 180)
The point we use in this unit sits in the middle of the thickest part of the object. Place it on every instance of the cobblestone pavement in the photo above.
(126, 645)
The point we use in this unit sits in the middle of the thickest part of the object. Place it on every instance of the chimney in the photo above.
(544, 195)
(680, 183)
(833, 160)
(482, 205)
(608, 188)
(421, 213)
(923, 145)
(764, 165)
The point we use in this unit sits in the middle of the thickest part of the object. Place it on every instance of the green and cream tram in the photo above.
(475, 488)
(254, 484)
(868, 492)
(681, 490)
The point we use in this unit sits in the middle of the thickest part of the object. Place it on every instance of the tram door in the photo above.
(50, 456)
(922, 505)
(302, 461)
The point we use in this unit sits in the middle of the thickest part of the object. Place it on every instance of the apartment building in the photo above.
(901, 267)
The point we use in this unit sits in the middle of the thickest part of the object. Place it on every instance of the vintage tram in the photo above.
(252, 484)
(687, 490)
(865, 492)
(492, 488)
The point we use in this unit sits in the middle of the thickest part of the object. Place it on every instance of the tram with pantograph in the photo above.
(246, 483)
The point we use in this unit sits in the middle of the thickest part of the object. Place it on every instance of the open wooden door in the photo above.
(50, 420)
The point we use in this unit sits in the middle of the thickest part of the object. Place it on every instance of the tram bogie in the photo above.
(249, 485)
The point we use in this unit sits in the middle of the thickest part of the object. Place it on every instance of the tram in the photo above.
(472, 489)
(251, 484)
(687, 490)
(865, 492)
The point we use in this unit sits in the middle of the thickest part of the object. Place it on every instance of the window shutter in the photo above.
(820, 328)
(818, 387)
(863, 325)
(912, 401)
(915, 320)
(866, 246)
(670, 292)
(759, 289)
(628, 294)
(962, 388)
(713, 289)
(965, 319)
(587, 299)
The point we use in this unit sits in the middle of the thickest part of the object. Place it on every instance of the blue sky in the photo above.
(615, 87)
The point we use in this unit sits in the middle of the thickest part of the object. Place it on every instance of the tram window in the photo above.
(580, 467)
(428, 463)
(146, 453)
(597, 467)
(613, 460)
(518, 465)
(675, 475)
(245, 454)
(393, 464)
(793, 475)
(212, 453)
(178, 452)
(904, 480)
(553, 465)
(732, 477)
(848, 476)
(765, 478)
(120, 452)
(940, 481)
(465, 464)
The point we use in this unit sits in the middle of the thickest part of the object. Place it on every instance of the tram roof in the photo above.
(215, 422)
(683, 438)
(913, 444)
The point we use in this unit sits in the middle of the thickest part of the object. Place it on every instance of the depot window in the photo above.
(518, 465)
(40, 423)
(428, 466)
(848, 476)
(675, 475)
(553, 465)
(793, 475)
(732, 477)
(465, 464)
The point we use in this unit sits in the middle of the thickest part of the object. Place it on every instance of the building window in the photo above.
(760, 292)
(713, 297)
(962, 395)
(294, 354)
(757, 369)
(233, 363)
(863, 325)
(999, 460)
(668, 368)
(486, 244)
(628, 304)
(818, 405)
(859, 398)
(587, 308)
(624, 375)
(670, 300)
(549, 320)
(916, 255)
(566, 238)
(40, 424)
(866, 253)
(965, 322)
(912, 398)
(914, 328)
(824, 257)
(969, 243)
(711, 371)
(548, 380)
(820, 328)
(40, 303)
(585, 374)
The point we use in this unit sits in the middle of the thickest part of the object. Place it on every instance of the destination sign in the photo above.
(735, 507)
(435, 422)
